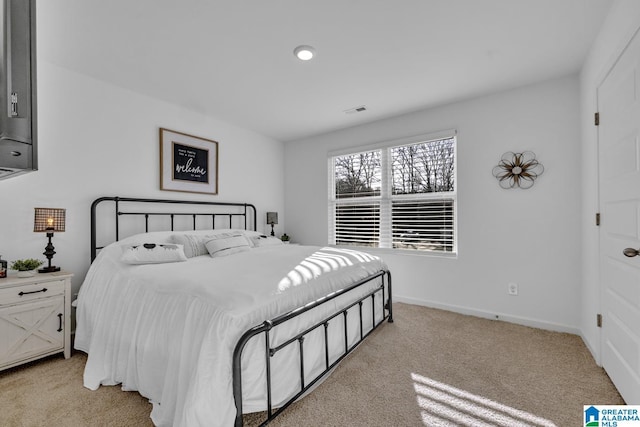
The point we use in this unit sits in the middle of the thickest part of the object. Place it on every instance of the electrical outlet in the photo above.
(513, 289)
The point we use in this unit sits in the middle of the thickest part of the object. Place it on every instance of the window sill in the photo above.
(402, 252)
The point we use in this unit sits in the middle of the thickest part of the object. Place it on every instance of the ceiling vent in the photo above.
(353, 110)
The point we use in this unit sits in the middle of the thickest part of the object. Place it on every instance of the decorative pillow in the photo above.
(254, 237)
(152, 253)
(227, 244)
(193, 244)
(193, 241)
(265, 241)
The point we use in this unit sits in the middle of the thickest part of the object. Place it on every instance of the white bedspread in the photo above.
(169, 330)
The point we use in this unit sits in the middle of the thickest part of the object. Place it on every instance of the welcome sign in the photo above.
(188, 163)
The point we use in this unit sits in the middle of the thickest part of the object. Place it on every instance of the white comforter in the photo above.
(169, 330)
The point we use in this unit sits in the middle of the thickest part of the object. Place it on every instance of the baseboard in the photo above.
(525, 321)
(595, 354)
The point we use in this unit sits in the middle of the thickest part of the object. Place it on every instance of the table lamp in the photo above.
(272, 218)
(49, 220)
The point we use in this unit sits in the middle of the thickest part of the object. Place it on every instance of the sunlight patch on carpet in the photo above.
(441, 405)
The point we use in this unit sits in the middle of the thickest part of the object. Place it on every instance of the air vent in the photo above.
(354, 110)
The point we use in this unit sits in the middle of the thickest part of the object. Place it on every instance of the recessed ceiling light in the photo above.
(304, 53)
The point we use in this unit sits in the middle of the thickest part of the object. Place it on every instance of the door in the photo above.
(619, 182)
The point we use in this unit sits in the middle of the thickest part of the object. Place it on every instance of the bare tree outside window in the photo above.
(427, 167)
(358, 175)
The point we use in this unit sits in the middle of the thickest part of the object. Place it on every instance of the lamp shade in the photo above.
(272, 217)
(49, 219)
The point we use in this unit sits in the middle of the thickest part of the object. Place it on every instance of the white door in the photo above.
(619, 179)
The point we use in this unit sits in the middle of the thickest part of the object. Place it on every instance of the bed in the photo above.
(208, 335)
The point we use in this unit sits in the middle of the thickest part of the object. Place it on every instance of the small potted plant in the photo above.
(25, 267)
(284, 238)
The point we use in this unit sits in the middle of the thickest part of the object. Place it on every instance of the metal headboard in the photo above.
(245, 210)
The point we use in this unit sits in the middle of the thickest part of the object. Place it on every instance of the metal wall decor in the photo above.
(517, 170)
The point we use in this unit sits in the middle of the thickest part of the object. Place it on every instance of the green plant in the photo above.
(284, 237)
(26, 264)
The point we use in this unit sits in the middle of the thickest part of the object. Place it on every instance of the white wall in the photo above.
(621, 23)
(96, 139)
(530, 237)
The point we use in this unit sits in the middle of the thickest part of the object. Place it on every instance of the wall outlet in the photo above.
(512, 289)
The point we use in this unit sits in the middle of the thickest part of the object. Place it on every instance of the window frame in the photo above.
(385, 240)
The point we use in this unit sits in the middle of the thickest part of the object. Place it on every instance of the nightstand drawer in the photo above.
(30, 292)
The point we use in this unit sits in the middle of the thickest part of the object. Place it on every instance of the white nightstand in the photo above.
(35, 317)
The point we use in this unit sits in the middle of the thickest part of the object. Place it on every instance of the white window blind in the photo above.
(357, 224)
(399, 196)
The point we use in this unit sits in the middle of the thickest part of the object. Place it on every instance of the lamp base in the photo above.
(50, 269)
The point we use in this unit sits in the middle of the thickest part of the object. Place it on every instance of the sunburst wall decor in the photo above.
(518, 170)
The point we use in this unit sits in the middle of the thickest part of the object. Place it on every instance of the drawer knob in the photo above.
(33, 292)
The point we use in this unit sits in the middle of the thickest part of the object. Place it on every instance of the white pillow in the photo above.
(265, 241)
(152, 253)
(193, 244)
(193, 241)
(227, 244)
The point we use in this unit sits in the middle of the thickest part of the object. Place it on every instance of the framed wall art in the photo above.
(188, 163)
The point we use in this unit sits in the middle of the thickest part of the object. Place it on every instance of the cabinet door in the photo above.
(31, 329)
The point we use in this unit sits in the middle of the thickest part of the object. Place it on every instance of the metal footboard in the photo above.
(268, 325)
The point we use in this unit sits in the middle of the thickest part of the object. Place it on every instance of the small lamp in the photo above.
(49, 220)
(272, 218)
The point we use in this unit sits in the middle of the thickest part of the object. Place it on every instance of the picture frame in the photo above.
(188, 163)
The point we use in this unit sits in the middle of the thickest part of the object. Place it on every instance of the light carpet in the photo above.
(429, 368)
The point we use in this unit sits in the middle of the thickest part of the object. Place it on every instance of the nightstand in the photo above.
(35, 317)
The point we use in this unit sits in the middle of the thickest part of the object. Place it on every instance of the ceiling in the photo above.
(234, 59)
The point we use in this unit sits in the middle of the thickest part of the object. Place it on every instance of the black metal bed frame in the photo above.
(248, 211)
(270, 351)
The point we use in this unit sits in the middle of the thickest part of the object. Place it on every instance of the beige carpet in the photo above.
(429, 368)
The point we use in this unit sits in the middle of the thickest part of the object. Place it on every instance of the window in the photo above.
(401, 196)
